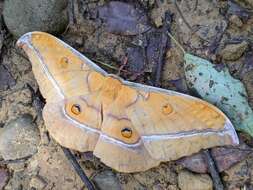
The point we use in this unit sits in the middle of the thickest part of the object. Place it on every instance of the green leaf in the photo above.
(221, 89)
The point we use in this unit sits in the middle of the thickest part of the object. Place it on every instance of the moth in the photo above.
(131, 127)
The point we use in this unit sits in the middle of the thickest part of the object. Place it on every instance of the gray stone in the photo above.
(23, 16)
(233, 52)
(6, 80)
(107, 180)
(236, 21)
(19, 139)
(190, 181)
(38, 183)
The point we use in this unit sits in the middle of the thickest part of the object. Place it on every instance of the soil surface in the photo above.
(128, 38)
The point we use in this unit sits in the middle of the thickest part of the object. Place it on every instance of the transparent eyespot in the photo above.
(167, 109)
(76, 109)
(126, 132)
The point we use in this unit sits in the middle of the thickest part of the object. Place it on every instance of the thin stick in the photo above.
(109, 66)
(15, 161)
(105, 64)
(177, 43)
(213, 171)
(78, 168)
(181, 15)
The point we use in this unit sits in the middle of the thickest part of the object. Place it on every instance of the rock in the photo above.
(123, 18)
(238, 10)
(239, 174)
(233, 52)
(158, 14)
(19, 139)
(236, 21)
(127, 181)
(51, 168)
(17, 181)
(164, 174)
(38, 183)
(245, 3)
(18, 166)
(3, 177)
(6, 80)
(205, 19)
(248, 82)
(23, 16)
(190, 181)
(107, 180)
(224, 157)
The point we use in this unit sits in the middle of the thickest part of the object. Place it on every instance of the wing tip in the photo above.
(24, 40)
(230, 130)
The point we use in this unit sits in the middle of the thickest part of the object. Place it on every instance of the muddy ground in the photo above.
(208, 28)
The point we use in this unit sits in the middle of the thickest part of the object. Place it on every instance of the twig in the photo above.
(196, 5)
(15, 161)
(78, 168)
(105, 64)
(213, 171)
(124, 62)
(176, 42)
(182, 16)
(71, 12)
(162, 48)
(109, 66)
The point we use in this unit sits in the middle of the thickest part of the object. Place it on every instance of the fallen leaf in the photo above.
(221, 89)
(224, 158)
(123, 18)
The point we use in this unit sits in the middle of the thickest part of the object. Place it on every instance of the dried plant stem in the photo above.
(78, 168)
(181, 15)
(177, 43)
(213, 171)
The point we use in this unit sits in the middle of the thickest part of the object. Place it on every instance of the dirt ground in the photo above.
(206, 29)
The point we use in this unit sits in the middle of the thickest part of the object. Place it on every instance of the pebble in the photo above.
(233, 52)
(107, 180)
(19, 138)
(6, 80)
(19, 166)
(238, 174)
(236, 21)
(158, 14)
(23, 16)
(190, 181)
(38, 183)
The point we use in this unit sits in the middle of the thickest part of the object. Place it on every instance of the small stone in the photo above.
(158, 14)
(38, 183)
(19, 166)
(233, 52)
(235, 20)
(158, 187)
(19, 139)
(190, 181)
(238, 174)
(107, 180)
(23, 16)
(6, 80)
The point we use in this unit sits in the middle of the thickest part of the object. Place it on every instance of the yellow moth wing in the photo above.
(58, 69)
(129, 126)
